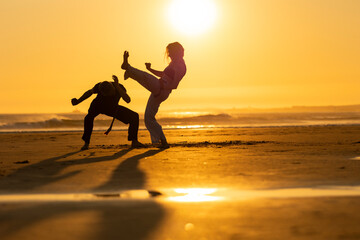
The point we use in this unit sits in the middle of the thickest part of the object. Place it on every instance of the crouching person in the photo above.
(106, 102)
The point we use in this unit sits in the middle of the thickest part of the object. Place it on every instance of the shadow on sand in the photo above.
(108, 219)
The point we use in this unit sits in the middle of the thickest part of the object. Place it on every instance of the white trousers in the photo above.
(157, 96)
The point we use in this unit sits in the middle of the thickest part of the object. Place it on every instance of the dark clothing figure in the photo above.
(106, 102)
(160, 84)
(108, 105)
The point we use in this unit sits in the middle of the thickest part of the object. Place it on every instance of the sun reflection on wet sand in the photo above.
(190, 194)
(189, 126)
(195, 195)
(325, 191)
(226, 194)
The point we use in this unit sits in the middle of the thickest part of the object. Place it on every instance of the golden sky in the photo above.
(257, 53)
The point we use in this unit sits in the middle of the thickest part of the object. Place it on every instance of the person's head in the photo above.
(175, 51)
(107, 89)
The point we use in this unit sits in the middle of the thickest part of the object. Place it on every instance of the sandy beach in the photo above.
(258, 100)
(51, 190)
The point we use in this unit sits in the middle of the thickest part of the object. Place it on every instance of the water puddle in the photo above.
(190, 194)
(219, 194)
(64, 197)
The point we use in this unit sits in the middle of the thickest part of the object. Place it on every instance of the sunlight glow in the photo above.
(198, 127)
(189, 126)
(188, 114)
(195, 195)
(192, 16)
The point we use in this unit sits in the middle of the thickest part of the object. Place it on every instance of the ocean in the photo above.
(176, 120)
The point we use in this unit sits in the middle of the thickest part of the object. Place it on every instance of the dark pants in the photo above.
(122, 114)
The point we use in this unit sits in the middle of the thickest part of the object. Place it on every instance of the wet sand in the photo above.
(51, 190)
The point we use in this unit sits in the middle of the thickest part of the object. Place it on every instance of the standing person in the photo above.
(160, 88)
(106, 102)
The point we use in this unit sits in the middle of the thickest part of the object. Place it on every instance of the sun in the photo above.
(192, 17)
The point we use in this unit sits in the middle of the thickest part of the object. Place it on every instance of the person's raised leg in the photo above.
(145, 79)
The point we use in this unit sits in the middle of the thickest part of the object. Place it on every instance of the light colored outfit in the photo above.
(160, 90)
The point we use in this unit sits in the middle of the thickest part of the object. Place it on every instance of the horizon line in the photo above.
(340, 108)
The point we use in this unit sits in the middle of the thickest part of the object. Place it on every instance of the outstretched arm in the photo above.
(85, 96)
(121, 91)
(153, 71)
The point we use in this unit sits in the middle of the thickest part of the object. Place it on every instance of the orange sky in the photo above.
(258, 53)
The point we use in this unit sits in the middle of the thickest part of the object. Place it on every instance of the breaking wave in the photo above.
(74, 121)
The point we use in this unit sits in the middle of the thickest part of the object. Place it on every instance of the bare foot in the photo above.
(125, 63)
(85, 147)
(164, 144)
(137, 144)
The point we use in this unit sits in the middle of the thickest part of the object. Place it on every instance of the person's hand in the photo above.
(115, 78)
(148, 66)
(74, 101)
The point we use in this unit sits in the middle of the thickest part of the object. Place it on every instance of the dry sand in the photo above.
(228, 161)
